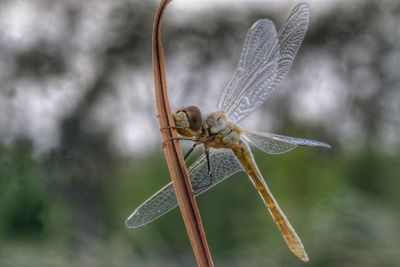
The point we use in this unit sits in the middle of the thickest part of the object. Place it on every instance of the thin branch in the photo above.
(173, 152)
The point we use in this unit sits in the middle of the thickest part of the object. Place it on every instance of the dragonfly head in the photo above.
(189, 119)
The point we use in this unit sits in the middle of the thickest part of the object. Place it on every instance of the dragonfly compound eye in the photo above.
(193, 114)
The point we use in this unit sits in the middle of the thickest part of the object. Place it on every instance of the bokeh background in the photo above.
(80, 145)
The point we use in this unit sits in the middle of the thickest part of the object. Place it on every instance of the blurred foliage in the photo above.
(22, 191)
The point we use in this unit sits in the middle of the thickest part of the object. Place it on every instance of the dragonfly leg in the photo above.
(171, 127)
(209, 171)
(176, 138)
(190, 151)
(209, 175)
(169, 139)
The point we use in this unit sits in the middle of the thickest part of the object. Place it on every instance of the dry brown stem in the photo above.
(173, 153)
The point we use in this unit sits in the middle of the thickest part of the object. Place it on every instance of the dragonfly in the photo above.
(266, 58)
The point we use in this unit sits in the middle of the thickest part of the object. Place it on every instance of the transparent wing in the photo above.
(245, 93)
(259, 40)
(223, 163)
(277, 144)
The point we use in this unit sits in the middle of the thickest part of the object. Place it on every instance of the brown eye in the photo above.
(193, 114)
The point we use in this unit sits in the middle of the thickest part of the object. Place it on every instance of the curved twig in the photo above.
(172, 149)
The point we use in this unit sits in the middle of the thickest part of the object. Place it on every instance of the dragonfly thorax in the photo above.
(213, 130)
(215, 123)
(220, 131)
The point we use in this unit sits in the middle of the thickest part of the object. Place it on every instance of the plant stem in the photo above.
(173, 153)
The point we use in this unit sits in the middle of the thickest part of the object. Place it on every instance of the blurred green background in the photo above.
(80, 145)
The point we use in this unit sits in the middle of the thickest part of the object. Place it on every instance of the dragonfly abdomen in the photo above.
(243, 153)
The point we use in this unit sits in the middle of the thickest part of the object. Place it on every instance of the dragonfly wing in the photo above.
(277, 144)
(240, 99)
(259, 40)
(223, 164)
